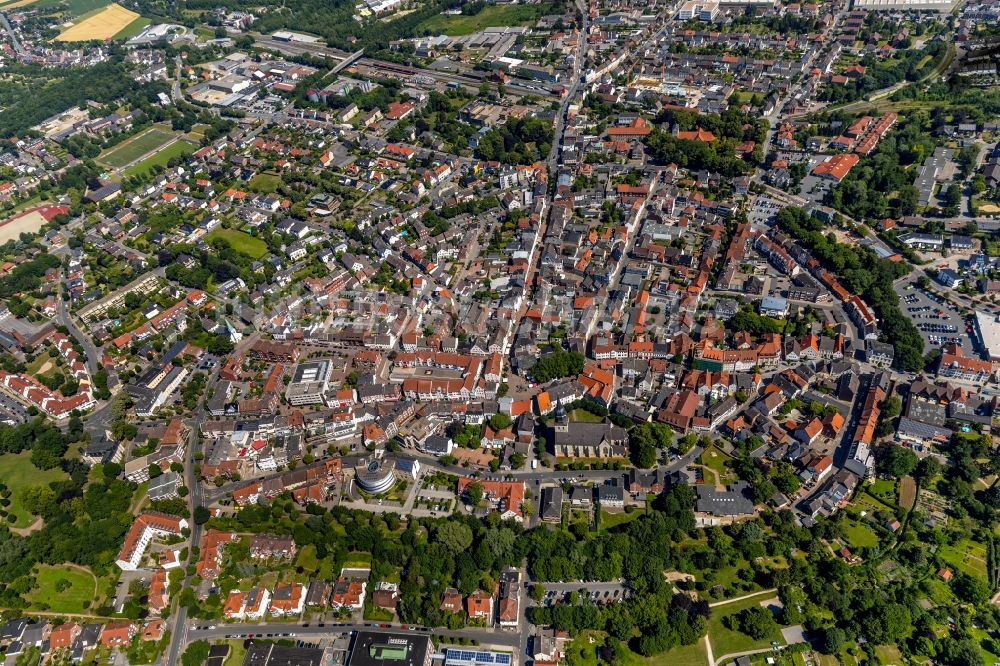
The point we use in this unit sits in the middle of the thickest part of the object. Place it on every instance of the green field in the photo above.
(265, 182)
(133, 28)
(134, 148)
(885, 490)
(73, 599)
(584, 416)
(860, 535)
(19, 474)
(490, 16)
(717, 460)
(611, 520)
(74, 8)
(726, 641)
(967, 556)
(176, 149)
(241, 242)
(43, 360)
(582, 651)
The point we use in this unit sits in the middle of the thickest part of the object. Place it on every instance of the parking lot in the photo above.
(763, 210)
(937, 322)
(596, 593)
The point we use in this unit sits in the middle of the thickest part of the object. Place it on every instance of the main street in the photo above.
(486, 637)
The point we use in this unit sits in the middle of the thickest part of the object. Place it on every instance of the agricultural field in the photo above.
(103, 23)
(132, 149)
(161, 158)
(63, 589)
(12, 467)
(489, 17)
(241, 242)
(133, 28)
(71, 8)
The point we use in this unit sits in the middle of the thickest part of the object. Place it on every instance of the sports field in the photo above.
(134, 148)
(102, 24)
(161, 158)
(27, 223)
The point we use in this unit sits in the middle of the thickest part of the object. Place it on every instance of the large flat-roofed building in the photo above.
(378, 649)
(268, 654)
(309, 383)
(466, 657)
(988, 326)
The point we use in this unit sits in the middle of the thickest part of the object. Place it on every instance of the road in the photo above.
(484, 636)
(195, 498)
(10, 33)
(93, 354)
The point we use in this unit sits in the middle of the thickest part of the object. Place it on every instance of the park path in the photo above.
(736, 655)
(25, 531)
(708, 651)
(716, 604)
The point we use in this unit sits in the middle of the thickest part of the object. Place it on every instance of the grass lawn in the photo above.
(967, 556)
(50, 364)
(74, 7)
(726, 641)
(357, 560)
(133, 28)
(132, 149)
(265, 182)
(610, 520)
(17, 472)
(885, 490)
(236, 653)
(307, 559)
(860, 535)
(981, 637)
(176, 149)
(685, 655)
(490, 16)
(889, 655)
(582, 651)
(715, 459)
(584, 416)
(242, 242)
(73, 599)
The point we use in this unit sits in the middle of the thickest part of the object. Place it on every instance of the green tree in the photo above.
(896, 461)
(757, 623)
(833, 640)
(455, 536)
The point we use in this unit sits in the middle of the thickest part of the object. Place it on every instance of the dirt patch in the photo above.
(25, 531)
(907, 492)
(27, 223)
